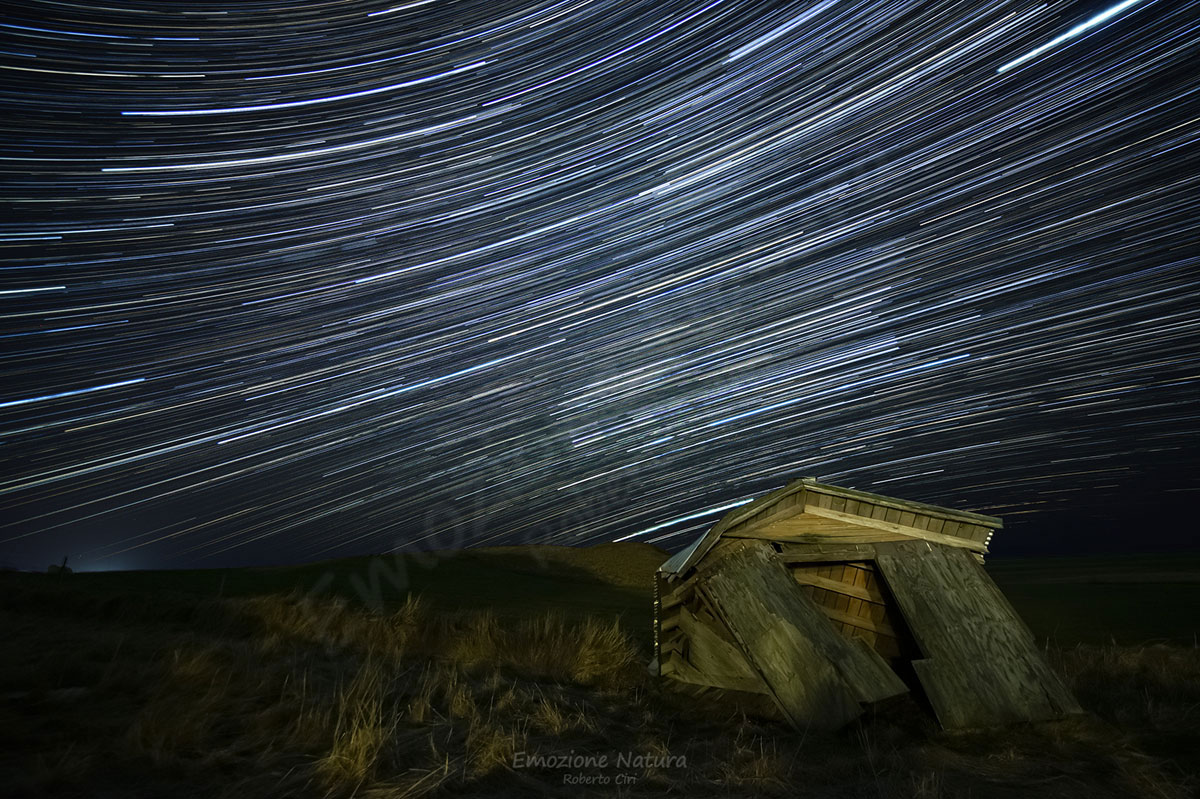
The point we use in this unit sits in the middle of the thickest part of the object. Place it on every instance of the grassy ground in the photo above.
(329, 680)
(1126, 599)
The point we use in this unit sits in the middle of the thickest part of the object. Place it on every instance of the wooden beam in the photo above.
(672, 599)
(824, 553)
(860, 535)
(816, 676)
(892, 527)
(671, 644)
(982, 666)
(861, 622)
(837, 586)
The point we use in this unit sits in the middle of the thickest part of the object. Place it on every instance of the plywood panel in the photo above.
(715, 660)
(817, 677)
(981, 665)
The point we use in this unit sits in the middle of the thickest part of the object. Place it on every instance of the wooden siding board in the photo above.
(837, 586)
(981, 667)
(859, 622)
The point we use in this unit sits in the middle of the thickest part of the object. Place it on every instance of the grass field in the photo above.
(448, 673)
(1126, 599)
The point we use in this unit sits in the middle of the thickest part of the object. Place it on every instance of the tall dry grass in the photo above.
(291, 696)
(399, 703)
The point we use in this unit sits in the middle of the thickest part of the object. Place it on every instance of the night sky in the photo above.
(284, 282)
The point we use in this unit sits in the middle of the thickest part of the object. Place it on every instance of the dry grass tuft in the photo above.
(362, 731)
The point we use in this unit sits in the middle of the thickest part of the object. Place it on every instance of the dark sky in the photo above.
(290, 281)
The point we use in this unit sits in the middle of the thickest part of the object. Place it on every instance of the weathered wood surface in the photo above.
(809, 528)
(883, 525)
(817, 677)
(982, 666)
(850, 619)
(807, 494)
(714, 660)
(916, 509)
(824, 553)
(806, 576)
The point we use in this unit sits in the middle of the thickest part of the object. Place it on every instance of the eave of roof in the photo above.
(686, 558)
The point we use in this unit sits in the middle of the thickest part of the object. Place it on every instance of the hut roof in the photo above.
(839, 508)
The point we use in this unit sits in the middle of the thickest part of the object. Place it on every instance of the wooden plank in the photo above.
(670, 644)
(892, 527)
(815, 675)
(672, 599)
(669, 594)
(859, 621)
(803, 577)
(817, 529)
(976, 532)
(981, 667)
(790, 552)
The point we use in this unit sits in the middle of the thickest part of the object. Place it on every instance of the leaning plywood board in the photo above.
(714, 661)
(981, 667)
(817, 677)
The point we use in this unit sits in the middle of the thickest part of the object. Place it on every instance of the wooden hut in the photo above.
(828, 599)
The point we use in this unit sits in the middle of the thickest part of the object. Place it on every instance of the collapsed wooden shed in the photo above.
(829, 599)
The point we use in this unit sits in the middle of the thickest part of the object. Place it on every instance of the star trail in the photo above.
(291, 281)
